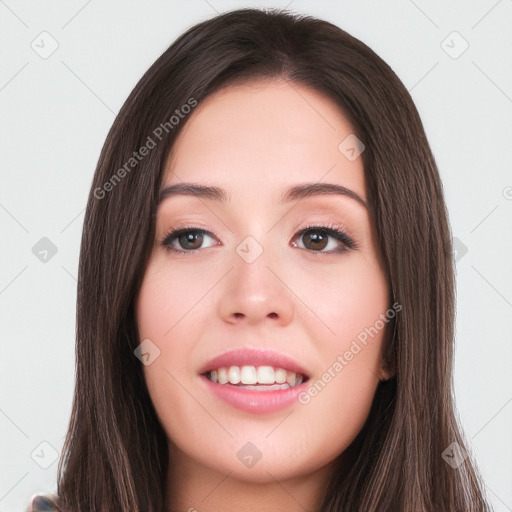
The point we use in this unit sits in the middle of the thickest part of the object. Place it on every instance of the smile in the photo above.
(254, 381)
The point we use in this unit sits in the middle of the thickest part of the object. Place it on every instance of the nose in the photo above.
(256, 292)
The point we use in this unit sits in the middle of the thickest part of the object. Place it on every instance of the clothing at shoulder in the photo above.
(43, 503)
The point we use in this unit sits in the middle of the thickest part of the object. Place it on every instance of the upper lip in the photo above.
(254, 357)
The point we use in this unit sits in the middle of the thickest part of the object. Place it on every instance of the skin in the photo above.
(255, 140)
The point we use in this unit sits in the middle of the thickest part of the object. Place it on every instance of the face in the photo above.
(293, 285)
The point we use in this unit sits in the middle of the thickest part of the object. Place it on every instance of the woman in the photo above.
(266, 290)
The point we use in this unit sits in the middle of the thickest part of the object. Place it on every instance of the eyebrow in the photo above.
(296, 192)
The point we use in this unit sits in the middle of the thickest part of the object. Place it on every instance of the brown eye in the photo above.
(315, 240)
(190, 240)
(323, 239)
(185, 240)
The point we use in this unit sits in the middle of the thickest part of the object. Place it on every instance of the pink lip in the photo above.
(249, 356)
(257, 402)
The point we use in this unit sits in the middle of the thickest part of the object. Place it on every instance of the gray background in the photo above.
(55, 113)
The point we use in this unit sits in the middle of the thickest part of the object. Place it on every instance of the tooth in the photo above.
(234, 374)
(265, 375)
(252, 375)
(290, 378)
(222, 375)
(248, 375)
(280, 375)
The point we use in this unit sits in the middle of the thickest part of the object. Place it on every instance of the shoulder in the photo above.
(43, 503)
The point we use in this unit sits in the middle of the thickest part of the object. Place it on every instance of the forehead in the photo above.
(262, 136)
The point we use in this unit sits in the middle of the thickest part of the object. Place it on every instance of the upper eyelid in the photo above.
(319, 226)
(327, 221)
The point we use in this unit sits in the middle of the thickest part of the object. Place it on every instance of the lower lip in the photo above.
(257, 402)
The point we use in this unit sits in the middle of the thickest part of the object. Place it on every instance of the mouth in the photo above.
(255, 381)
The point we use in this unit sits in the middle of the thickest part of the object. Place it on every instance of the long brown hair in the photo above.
(115, 456)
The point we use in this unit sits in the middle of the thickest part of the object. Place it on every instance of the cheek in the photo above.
(352, 303)
(163, 299)
(159, 309)
(167, 313)
(348, 300)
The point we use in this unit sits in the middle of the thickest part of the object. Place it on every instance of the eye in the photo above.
(189, 239)
(316, 239)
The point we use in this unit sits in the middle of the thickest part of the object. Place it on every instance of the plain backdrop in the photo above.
(66, 69)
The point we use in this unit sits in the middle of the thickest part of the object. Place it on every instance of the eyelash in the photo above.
(333, 230)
